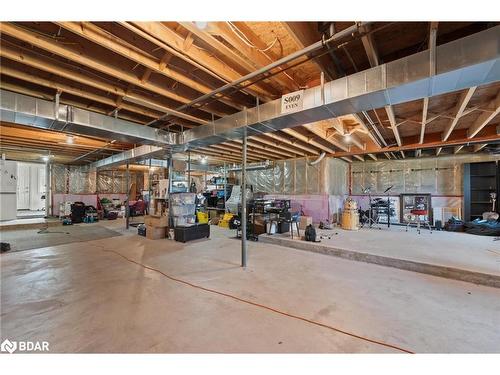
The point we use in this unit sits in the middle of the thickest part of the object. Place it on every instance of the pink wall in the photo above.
(316, 206)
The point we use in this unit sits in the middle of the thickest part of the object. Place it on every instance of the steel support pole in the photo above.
(169, 193)
(189, 170)
(244, 202)
(150, 187)
(127, 205)
(225, 184)
(48, 190)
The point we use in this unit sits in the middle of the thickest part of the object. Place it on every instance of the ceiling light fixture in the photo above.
(347, 138)
(45, 158)
(204, 159)
(70, 139)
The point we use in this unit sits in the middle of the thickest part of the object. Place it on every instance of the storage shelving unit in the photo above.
(480, 179)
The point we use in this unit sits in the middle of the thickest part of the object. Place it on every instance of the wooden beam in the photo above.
(252, 150)
(164, 37)
(433, 28)
(370, 48)
(392, 121)
(73, 91)
(372, 54)
(101, 37)
(256, 58)
(479, 147)
(308, 140)
(264, 150)
(49, 67)
(231, 156)
(226, 147)
(457, 149)
(373, 156)
(216, 155)
(365, 127)
(304, 34)
(277, 144)
(42, 95)
(295, 143)
(460, 107)
(65, 52)
(40, 135)
(425, 109)
(485, 118)
(218, 47)
(320, 129)
(433, 141)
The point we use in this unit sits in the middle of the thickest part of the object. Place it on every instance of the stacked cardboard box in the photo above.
(156, 227)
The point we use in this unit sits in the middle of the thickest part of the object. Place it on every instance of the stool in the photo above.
(294, 219)
(418, 214)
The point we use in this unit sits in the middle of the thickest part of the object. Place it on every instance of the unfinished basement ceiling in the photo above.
(139, 71)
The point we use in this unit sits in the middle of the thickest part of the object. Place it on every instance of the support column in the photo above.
(244, 202)
(150, 189)
(127, 190)
(48, 190)
(189, 170)
(170, 185)
(225, 185)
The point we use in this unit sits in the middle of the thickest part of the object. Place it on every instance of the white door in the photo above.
(23, 186)
(37, 186)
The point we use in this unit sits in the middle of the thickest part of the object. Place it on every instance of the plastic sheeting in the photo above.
(439, 176)
(336, 176)
(81, 180)
(297, 176)
(84, 180)
(73, 179)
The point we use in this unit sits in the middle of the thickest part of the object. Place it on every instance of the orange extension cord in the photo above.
(261, 306)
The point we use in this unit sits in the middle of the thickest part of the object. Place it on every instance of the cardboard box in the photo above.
(155, 233)
(305, 221)
(156, 221)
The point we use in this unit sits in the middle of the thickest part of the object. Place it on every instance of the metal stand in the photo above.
(371, 222)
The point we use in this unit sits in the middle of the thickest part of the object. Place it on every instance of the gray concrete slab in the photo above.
(463, 251)
(96, 301)
(26, 239)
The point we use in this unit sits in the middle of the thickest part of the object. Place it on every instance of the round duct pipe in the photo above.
(314, 162)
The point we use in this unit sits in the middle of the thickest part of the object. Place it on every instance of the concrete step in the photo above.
(404, 264)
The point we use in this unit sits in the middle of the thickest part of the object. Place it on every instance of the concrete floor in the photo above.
(459, 250)
(83, 299)
(26, 239)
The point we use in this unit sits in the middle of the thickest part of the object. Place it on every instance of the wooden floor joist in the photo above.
(90, 62)
(99, 36)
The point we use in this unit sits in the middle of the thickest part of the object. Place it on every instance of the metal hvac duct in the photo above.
(45, 114)
(253, 167)
(463, 63)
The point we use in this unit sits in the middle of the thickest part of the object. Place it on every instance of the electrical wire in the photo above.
(323, 325)
(245, 40)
